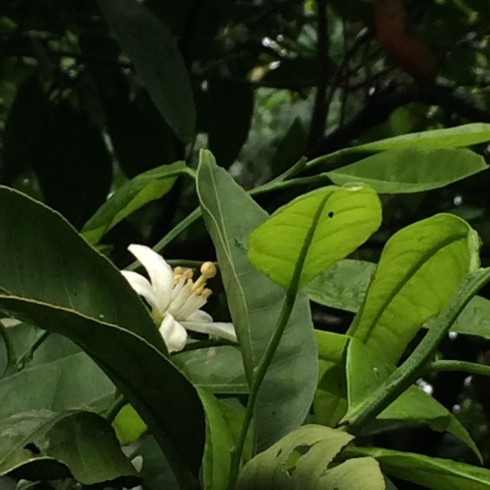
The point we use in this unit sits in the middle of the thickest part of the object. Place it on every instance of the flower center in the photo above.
(189, 295)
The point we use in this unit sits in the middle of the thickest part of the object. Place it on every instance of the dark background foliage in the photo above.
(272, 80)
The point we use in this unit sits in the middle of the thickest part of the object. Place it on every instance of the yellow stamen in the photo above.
(206, 293)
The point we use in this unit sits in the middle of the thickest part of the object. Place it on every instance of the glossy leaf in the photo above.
(431, 473)
(366, 372)
(131, 196)
(82, 443)
(151, 47)
(255, 303)
(420, 268)
(411, 169)
(314, 231)
(171, 409)
(457, 137)
(43, 258)
(303, 459)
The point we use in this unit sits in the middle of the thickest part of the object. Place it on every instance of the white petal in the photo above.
(215, 329)
(161, 274)
(142, 286)
(199, 316)
(173, 333)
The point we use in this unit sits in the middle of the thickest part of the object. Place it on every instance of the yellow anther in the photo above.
(178, 271)
(206, 293)
(188, 273)
(208, 270)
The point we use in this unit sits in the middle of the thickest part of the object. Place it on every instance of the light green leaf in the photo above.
(420, 268)
(131, 196)
(457, 137)
(223, 425)
(411, 169)
(151, 47)
(128, 425)
(431, 473)
(313, 232)
(81, 443)
(255, 303)
(366, 372)
(171, 409)
(302, 459)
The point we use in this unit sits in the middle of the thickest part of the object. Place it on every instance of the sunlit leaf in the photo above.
(314, 231)
(420, 268)
(303, 458)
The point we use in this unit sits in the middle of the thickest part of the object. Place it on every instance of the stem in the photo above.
(467, 367)
(29, 353)
(115, 407)
(260, 371)
(416, 363)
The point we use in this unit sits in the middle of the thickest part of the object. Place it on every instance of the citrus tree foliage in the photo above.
(314, 174)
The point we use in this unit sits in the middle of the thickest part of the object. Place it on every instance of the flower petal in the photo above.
(142, 286)
(199, 316)
(215, 329)
(173, 333)
(161, 274)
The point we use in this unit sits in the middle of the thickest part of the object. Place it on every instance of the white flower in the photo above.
(175, 299)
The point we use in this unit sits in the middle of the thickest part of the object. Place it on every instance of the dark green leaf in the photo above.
(43, 258)
(411, 169)
(171, 407)
(141, 190)
(151, 48)
(82, 442)
(431, 473)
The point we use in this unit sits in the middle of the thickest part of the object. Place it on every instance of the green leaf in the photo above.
(411, 169)
(314, 231)
(82, 443)
(128, 425)
(366, 372)
(151, 47)
(43, 258)
(431, 473)
(171, 409)
(460, 136)
(141, 190)
(304, 459)
(343, 285)
(73, 382)
(420, 268)
(255, 303)
(223, 425)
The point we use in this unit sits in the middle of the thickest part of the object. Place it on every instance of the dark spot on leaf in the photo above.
(279, 453)
(330, 214)
(30, 446)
